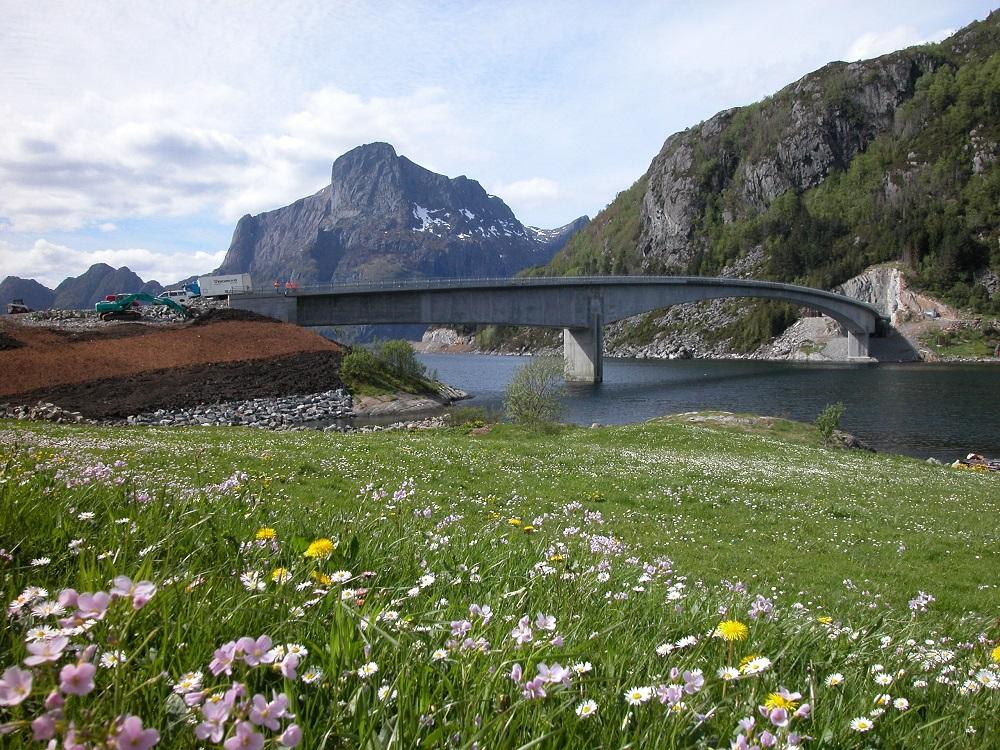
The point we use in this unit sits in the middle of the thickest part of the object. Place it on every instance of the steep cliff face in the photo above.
(383, 217)
(892, 159)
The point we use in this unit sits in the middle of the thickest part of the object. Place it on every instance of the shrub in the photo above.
(829, 420)
(400, 359)
(359, 366)
(532, 397)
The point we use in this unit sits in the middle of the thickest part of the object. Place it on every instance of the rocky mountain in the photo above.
(384, 217)
(35, 296)
(896, 158)
(76, 292)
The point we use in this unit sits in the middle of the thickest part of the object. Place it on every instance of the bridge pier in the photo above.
(583, 353)
(857, 344)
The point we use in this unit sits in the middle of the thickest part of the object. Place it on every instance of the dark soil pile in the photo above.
(182, 387)
(8, 342)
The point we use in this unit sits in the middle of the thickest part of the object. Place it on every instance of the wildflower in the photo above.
(15, 686)
(188, 683)
(582, 667)
(298, 649)
(140, 591)
(321, 549)
(251, 581)
(732, 630)
(995, 654)
(321, 578)
(638, 695)
(38, 562)
(281, 575)
(367, 670)
(545, 622)
(861, 724)
(312, 675)
(883, 679)
(514, 521)
(77, 679)
(728, 673)
(132, 736)
(40, 633)
(756, 665)
(385, 692)
(246, 737)
(528, 529)
(254, 651)
(901, 704)
(439, 654)
(782, 699)
(340, 576)
(586, 709)
(265, 532)
(824, 620)
(268, 713)
(534, 689)
(835, 679)
(522, 633)
(291, 737)
(112, 659)
(47, 650)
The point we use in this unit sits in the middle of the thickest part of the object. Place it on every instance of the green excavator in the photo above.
(124, 306)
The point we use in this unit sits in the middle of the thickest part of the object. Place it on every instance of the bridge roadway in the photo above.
(580, 305)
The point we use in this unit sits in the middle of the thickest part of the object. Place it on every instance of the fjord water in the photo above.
(940, 410)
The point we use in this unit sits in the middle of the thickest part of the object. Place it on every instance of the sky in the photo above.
(137, 133)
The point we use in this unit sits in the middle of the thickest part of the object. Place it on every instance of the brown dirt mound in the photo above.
(181, 387)
(9, 342)
(217, 315)
(50, 359)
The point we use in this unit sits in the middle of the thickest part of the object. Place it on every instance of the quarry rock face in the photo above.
(384, 217)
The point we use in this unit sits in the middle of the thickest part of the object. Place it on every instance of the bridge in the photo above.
(580, 305)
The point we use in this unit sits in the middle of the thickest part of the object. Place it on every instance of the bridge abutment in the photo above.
(583, 353)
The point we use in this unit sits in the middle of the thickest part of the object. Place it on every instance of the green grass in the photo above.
(836, 542)
(965, 342)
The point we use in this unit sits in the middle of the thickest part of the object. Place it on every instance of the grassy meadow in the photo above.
(702, 582)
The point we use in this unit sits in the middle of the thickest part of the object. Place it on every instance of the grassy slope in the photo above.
(766, 506)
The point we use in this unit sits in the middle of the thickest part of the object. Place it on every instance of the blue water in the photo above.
(940, 410)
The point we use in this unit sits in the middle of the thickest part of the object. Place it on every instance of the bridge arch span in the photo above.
(579, 305)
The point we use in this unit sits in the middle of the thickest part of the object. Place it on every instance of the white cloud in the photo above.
(876, 43)
(49, 263)
(531, 192)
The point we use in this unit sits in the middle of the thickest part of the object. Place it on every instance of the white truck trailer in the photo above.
(220, 286)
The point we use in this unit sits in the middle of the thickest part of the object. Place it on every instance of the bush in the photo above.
(828, 420)
(360, 366)
(400, 359)
(532, 397)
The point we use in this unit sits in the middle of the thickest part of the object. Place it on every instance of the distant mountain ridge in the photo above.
(383, 217)
(76, 292)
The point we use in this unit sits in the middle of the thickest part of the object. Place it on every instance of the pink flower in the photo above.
(140, 591)
(92, 606)
(54, 700)
(214, 725)
(522, 633)
(246, 738)
(47, 650)
(534, 689)
(68, 598)
(516, 673)
(131, 735)
(288, 666)
(77, 679)
(267, 714)
(291, 736)
(255, 651)
(43, 728)
(15, 686)
(223, 661)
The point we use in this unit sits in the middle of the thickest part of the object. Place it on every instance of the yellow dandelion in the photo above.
(777, 700)
(265, 532)
(995, 654)
(321, 578)
(514, 521)
(528, 529)
(281, 575)
(824, 620)
(747, 659)
(732, 630)
(321, 548)
(557, 558)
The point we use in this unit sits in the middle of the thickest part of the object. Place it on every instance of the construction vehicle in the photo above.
(125, 306)
(16, 307)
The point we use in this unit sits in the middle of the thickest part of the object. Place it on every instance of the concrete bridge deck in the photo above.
(580, 305)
